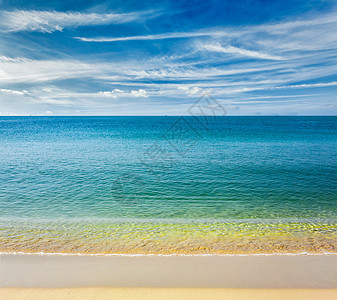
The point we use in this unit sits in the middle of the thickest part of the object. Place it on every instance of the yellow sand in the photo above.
(165, 293)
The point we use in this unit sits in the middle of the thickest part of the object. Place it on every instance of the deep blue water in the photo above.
(168, 168)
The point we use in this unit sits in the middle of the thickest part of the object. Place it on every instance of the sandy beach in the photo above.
(262, 271)
(168, 293)
(168, 277)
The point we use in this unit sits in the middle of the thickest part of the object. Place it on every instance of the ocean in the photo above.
(168, 185)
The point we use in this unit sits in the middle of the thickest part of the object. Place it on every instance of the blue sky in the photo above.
(158, 58)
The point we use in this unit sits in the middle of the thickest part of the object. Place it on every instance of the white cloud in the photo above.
(191, 91)
(325, 84)
(13, 92)
(139, 93)
(162, 36)
(6, 59)
(49, 21)
(117, 93)
(16, 70)
(239, 51)
(13, 114)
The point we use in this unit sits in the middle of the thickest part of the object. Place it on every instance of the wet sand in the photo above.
(263, 271)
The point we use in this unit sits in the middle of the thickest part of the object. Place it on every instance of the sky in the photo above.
(134, 57)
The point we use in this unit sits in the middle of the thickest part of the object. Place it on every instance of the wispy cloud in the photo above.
(23, 70)
(191, 90)
(12, 92)
(49, 21)
(266, 62)
(312, 85)
(163, 36)
(276, 29)
(239, 51)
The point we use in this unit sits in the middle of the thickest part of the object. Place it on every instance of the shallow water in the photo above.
(168, 184)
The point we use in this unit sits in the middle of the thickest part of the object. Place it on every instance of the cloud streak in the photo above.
(239, 51)
(12, 92)
(312, 85)
(163, 36)
(49, 21)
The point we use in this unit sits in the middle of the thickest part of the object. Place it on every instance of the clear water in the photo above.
(168, 184)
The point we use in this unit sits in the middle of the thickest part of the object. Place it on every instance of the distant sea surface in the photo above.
(169, 185)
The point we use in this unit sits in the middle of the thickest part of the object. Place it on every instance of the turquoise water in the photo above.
(78, 183)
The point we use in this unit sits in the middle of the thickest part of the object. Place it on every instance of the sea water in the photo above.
(168, 184)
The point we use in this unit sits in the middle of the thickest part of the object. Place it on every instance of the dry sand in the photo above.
(163, 294)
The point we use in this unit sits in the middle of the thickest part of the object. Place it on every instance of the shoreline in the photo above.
(148, 238)
(167, 255)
